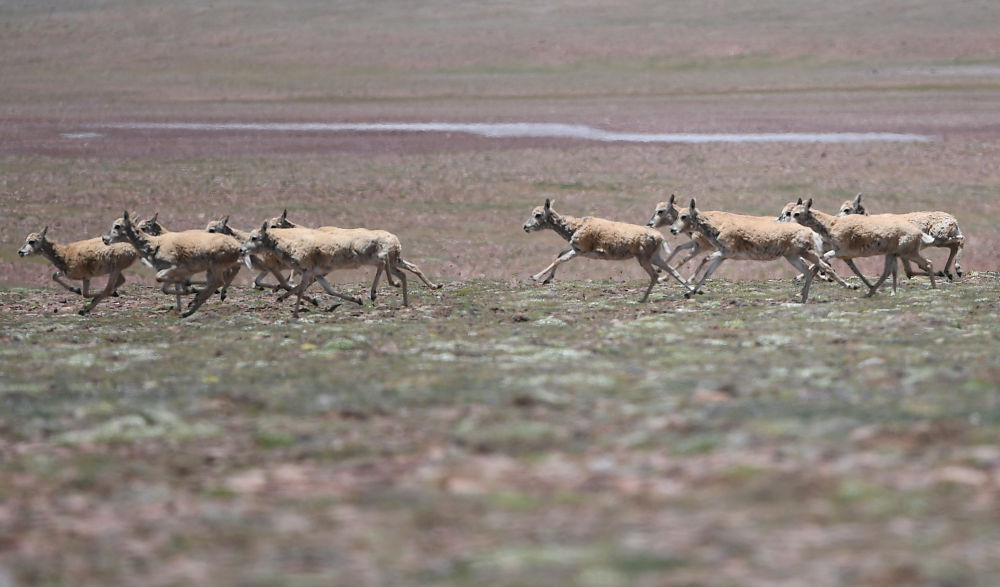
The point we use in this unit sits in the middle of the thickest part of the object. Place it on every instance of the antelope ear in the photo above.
(284, 214)
(125, 215)
(809, 204)
(548, 204)
(692, 204)
(155, 216)
(44, 230)
(799, 202)
(857, 200)
(671, 202)
(263, 227)
(225, 221)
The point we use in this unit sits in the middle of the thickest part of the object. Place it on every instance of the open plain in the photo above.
(496, 431)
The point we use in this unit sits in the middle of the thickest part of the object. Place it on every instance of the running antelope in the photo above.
(598, 238)
(313, 253)
(82, 260)
(178, 255)
(754, 239)
(372, 247)
(940, 225)
(853, 236)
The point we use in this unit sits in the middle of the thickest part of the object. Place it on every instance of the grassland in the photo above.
(498, 433)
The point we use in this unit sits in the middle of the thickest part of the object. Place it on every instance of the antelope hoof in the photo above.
(114, 294)
(334, 307)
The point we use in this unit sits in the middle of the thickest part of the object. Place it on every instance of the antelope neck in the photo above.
(141, 241)
(820, 222)
(565, 226)
(54, 254)
(706, 228)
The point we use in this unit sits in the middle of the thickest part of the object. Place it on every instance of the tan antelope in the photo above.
(313, 253)
(82, 260)
(848, 237)
(154, 227)
(177, 256)
(940, 225)
(786, 211)
(264, 263)
(378, 248)
(597, 238)
(665, 214)
(752, 238)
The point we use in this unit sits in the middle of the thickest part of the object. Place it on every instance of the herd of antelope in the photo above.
(807, 238)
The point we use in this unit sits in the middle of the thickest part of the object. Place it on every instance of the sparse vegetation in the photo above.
(496, 432)
(503, 432)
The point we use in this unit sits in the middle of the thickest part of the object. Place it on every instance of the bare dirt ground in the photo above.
(959, 115)
(458, 200)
